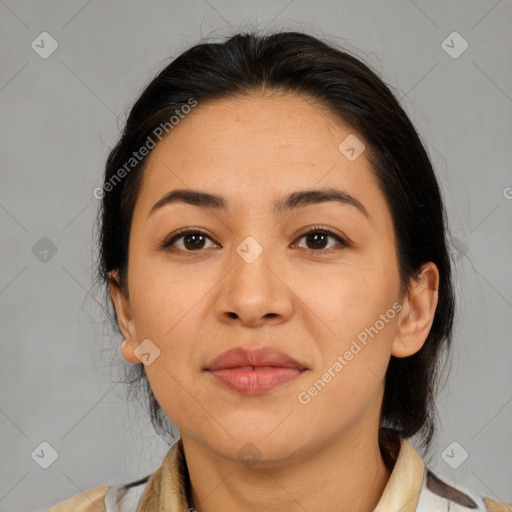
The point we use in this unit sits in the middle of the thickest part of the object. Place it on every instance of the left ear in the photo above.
(417, 314)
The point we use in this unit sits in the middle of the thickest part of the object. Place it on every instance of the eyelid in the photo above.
(343, 241)
(166, 243)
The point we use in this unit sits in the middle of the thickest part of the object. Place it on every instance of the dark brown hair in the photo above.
(297, 63)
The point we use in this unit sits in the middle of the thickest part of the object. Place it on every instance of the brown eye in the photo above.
(317, 240)
(193, 240)
(187, 241)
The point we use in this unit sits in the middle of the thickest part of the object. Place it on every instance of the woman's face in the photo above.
(252, 278)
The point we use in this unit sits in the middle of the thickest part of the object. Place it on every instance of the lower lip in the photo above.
(255, 381)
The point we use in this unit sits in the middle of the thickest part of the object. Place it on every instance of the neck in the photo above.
(347, 474)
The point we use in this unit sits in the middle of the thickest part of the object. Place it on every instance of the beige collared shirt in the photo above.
(412, 487)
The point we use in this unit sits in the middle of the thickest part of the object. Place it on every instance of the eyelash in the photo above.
(166, 244)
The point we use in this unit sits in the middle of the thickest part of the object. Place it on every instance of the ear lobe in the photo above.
(127, 351)
(418, 310)
(124, 318)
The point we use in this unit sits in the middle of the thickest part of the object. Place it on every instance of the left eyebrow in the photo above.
(303, 198)
(295, 200)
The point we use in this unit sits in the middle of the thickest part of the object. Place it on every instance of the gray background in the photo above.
(59, 117)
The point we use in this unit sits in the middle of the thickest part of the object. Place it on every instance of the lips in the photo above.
(253, 372)
(266, 356)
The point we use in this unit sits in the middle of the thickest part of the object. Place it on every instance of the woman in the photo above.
(273, 240)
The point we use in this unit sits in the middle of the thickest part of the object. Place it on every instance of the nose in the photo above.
(257, 289)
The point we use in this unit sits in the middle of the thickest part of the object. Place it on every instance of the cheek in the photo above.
(351, 377)
(358, 307)
(165, 311)
(161, 297)
(349, 298)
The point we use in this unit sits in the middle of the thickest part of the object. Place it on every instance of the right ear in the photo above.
(124, 317)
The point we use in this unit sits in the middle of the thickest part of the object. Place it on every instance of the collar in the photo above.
(403, 489)
(166, 489)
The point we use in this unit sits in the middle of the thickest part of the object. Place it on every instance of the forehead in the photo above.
(246, 147)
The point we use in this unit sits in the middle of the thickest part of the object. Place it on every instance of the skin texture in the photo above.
(309, 301)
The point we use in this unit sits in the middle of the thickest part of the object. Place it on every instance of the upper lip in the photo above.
(266, 356)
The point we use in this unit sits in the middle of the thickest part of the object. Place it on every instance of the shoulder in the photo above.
(109, 498)
(437, 494)
(91, 500)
